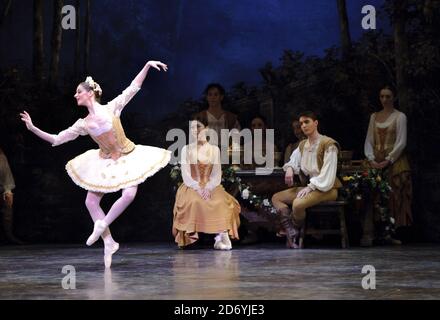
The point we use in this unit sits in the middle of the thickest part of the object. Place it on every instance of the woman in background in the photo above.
(385, 149)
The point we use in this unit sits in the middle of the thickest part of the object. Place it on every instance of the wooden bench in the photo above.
(328, 207)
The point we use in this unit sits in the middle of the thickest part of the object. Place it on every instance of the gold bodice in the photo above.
(113, 143)
(201, 173)
(384, 140)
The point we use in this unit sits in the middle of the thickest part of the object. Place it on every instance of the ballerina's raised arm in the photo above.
(118, 103)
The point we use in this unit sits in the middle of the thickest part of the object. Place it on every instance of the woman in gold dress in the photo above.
(202, 204)
(385, 149)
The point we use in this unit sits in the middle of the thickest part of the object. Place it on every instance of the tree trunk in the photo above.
(77, 58)
(38, 54)
(87, 38)
(345, 30)
(401, 53)
(5, 12)
(57, 32)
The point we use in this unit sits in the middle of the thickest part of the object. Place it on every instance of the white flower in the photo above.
(90, 81)
(392, 220)
(95, 86)
(266, 203)
(245, 194)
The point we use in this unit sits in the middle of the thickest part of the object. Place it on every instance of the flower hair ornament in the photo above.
(94, 85)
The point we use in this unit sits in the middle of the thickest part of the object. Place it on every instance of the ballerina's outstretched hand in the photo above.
(157, 65)
(150, 64)
(26, 118)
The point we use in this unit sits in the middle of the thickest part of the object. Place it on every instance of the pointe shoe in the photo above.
(226, 241)
(108, 253)
(98, 229)
(219, 245)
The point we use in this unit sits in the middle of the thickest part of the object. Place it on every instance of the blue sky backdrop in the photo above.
(202, 41)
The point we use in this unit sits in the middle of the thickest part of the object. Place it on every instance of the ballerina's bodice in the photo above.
(107, 131)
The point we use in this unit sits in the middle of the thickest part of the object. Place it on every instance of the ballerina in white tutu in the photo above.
(118, 164)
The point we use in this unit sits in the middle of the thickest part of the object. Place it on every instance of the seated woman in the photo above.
(263, 147)
(202, 205)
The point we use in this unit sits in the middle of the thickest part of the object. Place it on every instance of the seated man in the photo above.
(315, 158)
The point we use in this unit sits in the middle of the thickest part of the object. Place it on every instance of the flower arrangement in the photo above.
(363, 184)
(176, 176)
(94, 85)
(372, 185)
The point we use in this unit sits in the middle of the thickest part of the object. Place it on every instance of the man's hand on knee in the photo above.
(304, 192)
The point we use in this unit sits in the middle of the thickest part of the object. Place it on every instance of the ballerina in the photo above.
(118, 164)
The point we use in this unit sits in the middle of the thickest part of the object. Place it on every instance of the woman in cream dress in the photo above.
(385, 149)
(118, 164)
(202, 204)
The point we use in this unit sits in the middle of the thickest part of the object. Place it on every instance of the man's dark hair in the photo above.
(309, 114)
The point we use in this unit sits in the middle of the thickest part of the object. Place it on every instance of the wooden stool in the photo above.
(338, 207)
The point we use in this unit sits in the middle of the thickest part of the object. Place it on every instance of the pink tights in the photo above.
(92, 203)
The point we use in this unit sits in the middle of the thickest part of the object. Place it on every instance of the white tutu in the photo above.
(93, 173)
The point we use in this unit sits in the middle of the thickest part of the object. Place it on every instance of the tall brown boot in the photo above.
(286, 223)
(7, 213)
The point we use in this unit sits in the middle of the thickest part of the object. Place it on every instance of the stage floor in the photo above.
(161, 271)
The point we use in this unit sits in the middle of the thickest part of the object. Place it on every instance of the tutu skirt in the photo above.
(94, 173)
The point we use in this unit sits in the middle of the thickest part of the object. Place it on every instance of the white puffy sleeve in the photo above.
(7, 182)
(216, 174)
(369, 140)
(118, 103)
(326, 178)
(294, 162)
(401, 134)
(186, 171)
(71, 133)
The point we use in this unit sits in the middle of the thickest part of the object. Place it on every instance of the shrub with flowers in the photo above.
(176, 176)
(372, 185)
(364, 184)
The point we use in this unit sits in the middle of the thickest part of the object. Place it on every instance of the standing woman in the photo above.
(118, 164)
(385, 149)
(215, 116)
